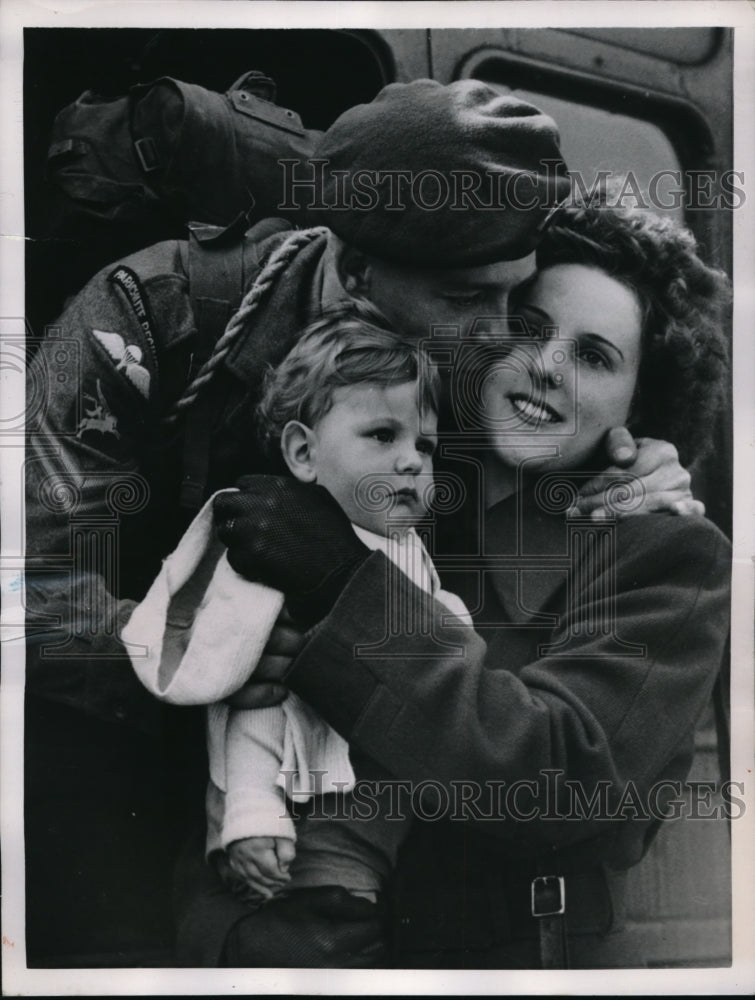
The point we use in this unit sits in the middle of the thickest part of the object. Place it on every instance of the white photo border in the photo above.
(17, 14)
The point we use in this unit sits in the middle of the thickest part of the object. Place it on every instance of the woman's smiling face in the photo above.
(550, 401)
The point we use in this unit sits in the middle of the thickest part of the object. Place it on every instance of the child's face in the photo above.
(373, 452)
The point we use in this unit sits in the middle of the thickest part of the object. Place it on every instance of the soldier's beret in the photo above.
(438, 176)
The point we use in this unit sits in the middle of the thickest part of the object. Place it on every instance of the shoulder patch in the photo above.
(130, 285)
(98, 415)
(127, 358)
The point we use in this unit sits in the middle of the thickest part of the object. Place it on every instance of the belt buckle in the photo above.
(548, 896)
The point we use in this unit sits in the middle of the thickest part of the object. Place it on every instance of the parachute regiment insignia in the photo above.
(127, 358)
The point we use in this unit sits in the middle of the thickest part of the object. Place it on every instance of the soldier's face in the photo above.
(417, 299)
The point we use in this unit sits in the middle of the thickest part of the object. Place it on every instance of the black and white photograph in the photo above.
(377, 475)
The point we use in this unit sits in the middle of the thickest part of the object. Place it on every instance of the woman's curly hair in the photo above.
(684, 366)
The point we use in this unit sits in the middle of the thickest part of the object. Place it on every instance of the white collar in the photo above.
(407, 551)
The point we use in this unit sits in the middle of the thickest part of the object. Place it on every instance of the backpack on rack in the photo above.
(175, 149)
(125, 173)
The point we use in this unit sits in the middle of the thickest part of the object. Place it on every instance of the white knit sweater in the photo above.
(191, 646)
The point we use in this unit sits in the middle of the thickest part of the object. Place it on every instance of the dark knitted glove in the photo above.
(291, 536)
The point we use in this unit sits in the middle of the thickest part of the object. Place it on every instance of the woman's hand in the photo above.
(265, 687)
(656, 479)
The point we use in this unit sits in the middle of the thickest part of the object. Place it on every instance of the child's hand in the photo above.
(263, 862)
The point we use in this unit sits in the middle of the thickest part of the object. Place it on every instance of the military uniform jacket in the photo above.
(103, 469)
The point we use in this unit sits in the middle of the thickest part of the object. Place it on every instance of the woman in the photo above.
(615, 630)
(553, 746)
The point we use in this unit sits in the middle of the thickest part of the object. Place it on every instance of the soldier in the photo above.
(434, 198)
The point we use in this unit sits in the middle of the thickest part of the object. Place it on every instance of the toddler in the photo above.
(352, 408)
